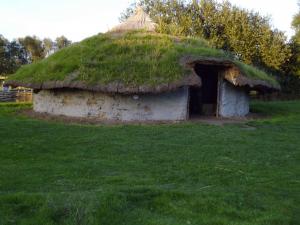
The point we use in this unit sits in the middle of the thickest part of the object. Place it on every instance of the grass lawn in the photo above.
(52, 173)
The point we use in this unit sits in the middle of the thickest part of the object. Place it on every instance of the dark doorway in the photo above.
(203, 100)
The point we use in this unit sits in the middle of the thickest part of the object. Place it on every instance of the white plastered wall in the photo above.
(79, 103)
(233, 101)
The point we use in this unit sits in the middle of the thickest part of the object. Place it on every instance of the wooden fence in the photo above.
(16, 96)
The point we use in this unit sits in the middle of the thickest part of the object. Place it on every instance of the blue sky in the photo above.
(78, 19)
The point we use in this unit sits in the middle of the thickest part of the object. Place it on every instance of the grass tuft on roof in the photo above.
(133, 58)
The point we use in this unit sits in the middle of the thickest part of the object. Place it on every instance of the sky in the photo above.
(78, 19)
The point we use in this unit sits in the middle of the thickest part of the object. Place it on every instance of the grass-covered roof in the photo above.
(132, 62)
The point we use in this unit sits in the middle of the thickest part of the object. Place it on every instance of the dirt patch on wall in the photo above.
(100, 121)
(88, 120)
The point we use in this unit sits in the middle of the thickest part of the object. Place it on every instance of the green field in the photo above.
(189, 173)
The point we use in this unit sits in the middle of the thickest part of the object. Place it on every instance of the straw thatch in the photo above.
(139, 21)
(232, 73)
(113, 87)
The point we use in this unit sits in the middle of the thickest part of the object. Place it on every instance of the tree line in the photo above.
(291, 80)
(247, 35)
(21, 51)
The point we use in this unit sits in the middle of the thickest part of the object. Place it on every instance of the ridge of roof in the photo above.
(139, 21)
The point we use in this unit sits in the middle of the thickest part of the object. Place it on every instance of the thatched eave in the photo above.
(232, 73)
(113, 87)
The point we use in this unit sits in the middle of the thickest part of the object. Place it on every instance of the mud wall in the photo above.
(77, 103)
(234, 101)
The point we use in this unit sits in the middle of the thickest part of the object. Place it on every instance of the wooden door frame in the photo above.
(219, 92)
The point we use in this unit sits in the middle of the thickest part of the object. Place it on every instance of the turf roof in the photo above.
(134, 58)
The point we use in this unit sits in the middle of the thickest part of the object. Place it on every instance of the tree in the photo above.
(295, 46)
(290, 82)
(62, 42)
(34, 48)
(48, 45)
(296, 25)
(4, 60)
(12, 56)
(17, 54)
(245, 33)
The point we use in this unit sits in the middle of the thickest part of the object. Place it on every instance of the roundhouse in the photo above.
(132, 73)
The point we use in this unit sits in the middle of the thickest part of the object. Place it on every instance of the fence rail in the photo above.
(16, 96)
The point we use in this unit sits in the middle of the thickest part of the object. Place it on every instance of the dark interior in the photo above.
(203, 100)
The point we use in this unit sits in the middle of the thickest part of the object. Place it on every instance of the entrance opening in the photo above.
(204, 100)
